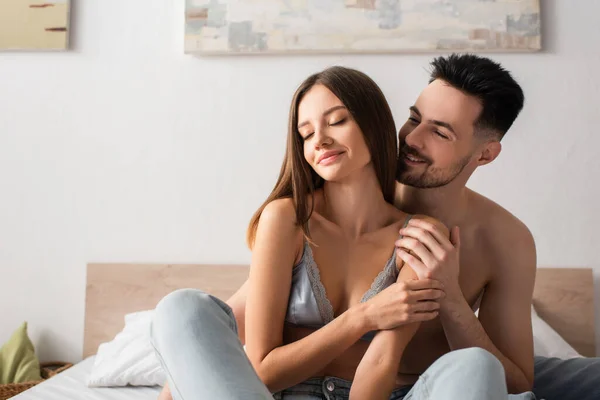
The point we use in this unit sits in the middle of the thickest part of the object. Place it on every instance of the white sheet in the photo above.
(71, 384)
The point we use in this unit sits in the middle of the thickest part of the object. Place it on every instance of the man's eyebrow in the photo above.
(434, 121)
(443, 124)
(327, 112)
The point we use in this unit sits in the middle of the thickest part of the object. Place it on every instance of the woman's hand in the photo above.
(403, 303)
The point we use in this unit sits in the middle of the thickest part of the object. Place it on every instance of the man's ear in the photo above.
(489, 152)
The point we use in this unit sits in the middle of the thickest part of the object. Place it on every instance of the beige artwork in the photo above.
(361, 26)
(34, 25)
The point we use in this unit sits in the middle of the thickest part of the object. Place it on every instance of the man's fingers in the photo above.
(416, 264)
(422, 236)
(441, 237)
(425, 295)
(418, 248)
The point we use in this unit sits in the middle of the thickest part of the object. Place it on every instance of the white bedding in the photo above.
(71, 384)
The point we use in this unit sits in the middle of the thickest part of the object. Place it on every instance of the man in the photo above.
(455, 126)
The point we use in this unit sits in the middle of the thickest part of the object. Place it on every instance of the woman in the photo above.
(322, 258)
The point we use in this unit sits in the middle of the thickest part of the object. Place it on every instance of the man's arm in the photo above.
(504, 327)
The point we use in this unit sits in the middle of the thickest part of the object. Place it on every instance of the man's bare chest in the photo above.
(475, 273)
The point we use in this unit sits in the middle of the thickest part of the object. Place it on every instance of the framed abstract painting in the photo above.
(360, 26)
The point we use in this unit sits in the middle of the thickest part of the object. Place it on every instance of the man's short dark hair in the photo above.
(500, 95)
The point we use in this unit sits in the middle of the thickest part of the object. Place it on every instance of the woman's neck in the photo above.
(356, 204)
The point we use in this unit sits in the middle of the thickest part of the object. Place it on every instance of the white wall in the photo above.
(125, 149)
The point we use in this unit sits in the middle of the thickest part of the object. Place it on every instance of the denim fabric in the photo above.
(573, 379)
(195, 338)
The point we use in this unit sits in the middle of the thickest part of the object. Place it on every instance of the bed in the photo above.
(563, 297)
(71, 384)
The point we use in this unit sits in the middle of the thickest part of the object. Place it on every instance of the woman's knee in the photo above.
(185, 307)
(180, 303)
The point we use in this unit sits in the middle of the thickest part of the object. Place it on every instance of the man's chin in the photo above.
(415, 181)
(407, 179)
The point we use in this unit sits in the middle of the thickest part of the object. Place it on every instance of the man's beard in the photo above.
(431, 177)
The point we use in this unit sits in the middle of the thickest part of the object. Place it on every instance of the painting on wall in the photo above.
(34, 25)
(360, 26)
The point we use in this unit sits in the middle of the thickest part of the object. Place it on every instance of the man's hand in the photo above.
(434, 253)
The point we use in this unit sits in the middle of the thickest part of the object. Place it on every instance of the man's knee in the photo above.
(473, 369)
(476, 359)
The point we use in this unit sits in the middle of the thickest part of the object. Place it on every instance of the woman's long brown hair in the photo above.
(367, 105)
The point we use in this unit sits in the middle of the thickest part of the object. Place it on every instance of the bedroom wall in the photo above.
(126, 150)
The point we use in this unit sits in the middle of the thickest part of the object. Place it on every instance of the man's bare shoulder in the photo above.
(501, 232)
(492, 218)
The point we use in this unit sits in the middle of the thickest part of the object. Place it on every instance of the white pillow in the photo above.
(547, 342)
(128, 359)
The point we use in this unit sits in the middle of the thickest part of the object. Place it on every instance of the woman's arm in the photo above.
(277, 245)
(376, 374)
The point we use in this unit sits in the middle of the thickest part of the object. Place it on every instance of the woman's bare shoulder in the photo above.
(280, 214)
(277, 228)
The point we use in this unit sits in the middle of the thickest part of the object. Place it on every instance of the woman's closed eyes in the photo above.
(336, 122)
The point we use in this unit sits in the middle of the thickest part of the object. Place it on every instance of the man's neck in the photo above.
(447, 203)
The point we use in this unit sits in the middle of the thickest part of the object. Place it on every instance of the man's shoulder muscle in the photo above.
(502, 233)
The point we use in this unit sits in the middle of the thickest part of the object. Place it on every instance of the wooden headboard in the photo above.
(563, 297)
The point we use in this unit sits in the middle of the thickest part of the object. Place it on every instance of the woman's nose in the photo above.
(322, 138)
